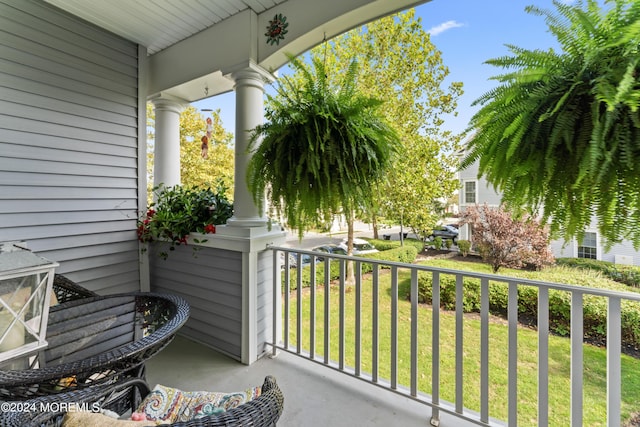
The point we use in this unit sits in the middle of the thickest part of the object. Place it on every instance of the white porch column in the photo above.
(166, 158)
(247, 229)
(249, 88)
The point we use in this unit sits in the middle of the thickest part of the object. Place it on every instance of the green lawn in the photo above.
(559, 351)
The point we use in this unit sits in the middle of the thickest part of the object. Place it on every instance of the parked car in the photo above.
(446, 232)
(360, 247)
(330, 249)
(293, 260)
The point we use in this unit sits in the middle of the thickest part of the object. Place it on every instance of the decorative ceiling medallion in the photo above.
(277, 29)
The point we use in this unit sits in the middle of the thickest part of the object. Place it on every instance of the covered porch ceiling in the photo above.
(158, 24)
(192, 45)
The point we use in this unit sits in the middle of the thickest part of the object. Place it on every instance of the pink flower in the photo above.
(138, 416)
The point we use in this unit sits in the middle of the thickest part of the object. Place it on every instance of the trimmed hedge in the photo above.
(594, 308)
(406, 254)
(385, 245)
(626, 274)
(464, 246)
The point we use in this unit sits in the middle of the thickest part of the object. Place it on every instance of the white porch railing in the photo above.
(306, 330)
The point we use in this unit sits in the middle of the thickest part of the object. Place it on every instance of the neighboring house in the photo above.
(476, 190)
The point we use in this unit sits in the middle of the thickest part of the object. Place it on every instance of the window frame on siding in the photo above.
(588, 248)
(466, 193)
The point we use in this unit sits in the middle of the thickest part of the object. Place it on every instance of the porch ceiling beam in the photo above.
(186, 68)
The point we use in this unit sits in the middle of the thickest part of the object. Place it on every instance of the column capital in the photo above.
(168, 103)
(249, 70)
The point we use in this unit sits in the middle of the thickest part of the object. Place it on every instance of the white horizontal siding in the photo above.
(67, 146)
(26, 206)
(83, 241)
(62, 89)
(41, 118)
(470, 173)
(562, 250)
(26, 164)
(74, 130)
(76, 41)
(69, 143)
(36, 232)
(63, 194)
(265, 300)
(17, 178)
(63, 218)
(487, 194)
(625, 248)
(210, 280)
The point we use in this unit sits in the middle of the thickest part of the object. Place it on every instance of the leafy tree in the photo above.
(217, 170)
(504, 241)
(399, 64)
(560, 134)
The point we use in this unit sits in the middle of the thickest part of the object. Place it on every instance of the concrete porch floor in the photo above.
(314, 395)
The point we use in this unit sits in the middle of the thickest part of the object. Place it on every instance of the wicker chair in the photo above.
(126, 395)
(96, 340)
(67, 290)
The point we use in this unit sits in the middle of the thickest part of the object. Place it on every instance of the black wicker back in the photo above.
(67, 290)
(126, 395)
(95, 340)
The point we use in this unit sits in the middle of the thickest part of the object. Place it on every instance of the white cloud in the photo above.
(434, 31)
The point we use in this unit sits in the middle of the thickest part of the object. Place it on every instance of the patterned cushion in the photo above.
(169, 405)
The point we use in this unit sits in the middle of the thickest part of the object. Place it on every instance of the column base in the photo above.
(247, 222)
(241, 239)
(252, 232)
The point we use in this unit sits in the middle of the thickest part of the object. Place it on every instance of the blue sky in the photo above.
(467, 32)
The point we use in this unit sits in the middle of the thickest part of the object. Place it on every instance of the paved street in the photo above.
(312, 239)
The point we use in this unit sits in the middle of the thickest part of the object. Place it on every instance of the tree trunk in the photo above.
(374, 224)
(351, 277)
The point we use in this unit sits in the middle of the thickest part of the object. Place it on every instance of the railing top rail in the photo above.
(493, 277)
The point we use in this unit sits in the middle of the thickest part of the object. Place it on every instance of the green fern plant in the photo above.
(560, 134)
(321, 149)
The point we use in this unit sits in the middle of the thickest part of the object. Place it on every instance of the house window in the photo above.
(589, 246)
(470, 192)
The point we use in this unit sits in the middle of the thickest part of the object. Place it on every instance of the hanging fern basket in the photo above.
(322, 148)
